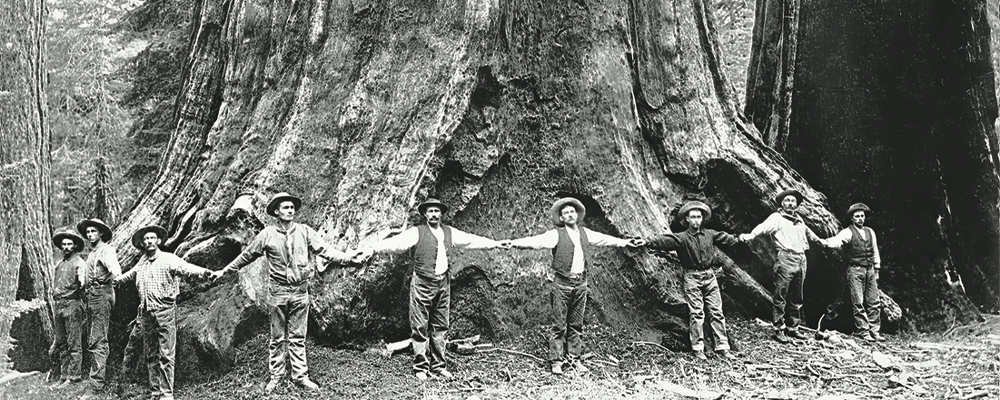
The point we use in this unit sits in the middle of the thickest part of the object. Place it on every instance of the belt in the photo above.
(798, 253)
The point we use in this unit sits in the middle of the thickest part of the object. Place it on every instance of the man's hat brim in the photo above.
(432, 202)
(694, 205)
(790, 192)
(556, 210)
(139, 234)
(857, 207)
(77, 240)
(279, 198)
(96, 223)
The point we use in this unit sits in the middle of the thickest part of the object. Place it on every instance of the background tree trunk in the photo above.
(25, 250)
(366, 108)
(894, 104)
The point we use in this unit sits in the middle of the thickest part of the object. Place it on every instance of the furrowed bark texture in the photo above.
(25, 252)
(365, 108)
(893, 104)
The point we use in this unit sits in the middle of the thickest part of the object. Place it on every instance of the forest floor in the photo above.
(961, 363)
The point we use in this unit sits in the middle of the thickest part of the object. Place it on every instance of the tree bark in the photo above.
(25, 253)
(894, 105)
(364, 109)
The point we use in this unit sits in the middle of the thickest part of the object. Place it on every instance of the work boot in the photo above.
(797, 335)
(421, 375)
(578, 365)
(781, 338)
(307, 384)
(63, 385)
(557, 369)
(878, 337)
(271, 385)
(727, 355)
(700, 355)
(444, 374)
(864, 335)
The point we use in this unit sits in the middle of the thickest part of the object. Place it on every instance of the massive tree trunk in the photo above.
(365, 108)
(893, 104)
(25, 253)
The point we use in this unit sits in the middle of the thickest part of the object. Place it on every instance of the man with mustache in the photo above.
(291, 249)
(67, 304)
(570, 244)
(791, 237)
(864, 263)
(157, 277)
(102, 269)
(430, 246)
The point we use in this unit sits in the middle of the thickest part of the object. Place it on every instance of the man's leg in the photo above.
(298, 320)
(577, 309)
(713, 299)
(794, 313)
(99, 304)
(151, 346)
(782, 278)
(57, 371)
(856, 283)
(277, 347)
(438, 324)
(166, 336)
(422, 292)
(559, 297)
(74, 340)
(873, 303)
(696, 310)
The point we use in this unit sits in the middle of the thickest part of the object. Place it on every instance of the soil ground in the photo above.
(961, 363)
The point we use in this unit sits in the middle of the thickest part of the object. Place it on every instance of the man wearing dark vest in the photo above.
(570, 244)
(861, 249)
(695, 248)
(67, 303)
(430, 247)
(102, 269)
(791, 237)
(157, 278)
(291, 249)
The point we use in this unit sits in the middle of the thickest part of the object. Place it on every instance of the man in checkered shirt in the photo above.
(157, 276)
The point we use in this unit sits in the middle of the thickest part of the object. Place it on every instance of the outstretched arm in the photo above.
(600, 239)
(547, 240)
(470, 241)
(768, 226)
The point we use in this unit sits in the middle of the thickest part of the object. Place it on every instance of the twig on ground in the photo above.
(519, 353)
(654, 344)
(974, 395)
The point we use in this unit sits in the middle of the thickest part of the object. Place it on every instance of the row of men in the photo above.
(291, 250)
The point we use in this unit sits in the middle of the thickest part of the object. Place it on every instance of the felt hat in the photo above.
(138, 235)
(68, 234)
(789, 192)
(694, 205)
(96, 223)
(279, 198)
(556, 211)
(431, 202)
(857, 207)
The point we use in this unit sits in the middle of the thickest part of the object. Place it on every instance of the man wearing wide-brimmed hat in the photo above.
(291, 249)
(696, 249)
(67, 304)
(157, 277)
(791, 237)
(102, 269)
(862, 271)
(430, 245)
(570, 244)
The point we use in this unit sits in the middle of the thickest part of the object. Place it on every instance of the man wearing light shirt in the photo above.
(570, 244)
(862, 272)
(791, 237)
(102, 269)
(430, 246)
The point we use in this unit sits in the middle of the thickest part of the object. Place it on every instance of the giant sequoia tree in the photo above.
(364, 108)
(894, 104)
(25, 254)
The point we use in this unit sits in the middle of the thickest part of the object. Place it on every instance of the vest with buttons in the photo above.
(425, 252)
(562, 254)
(860, 250)
(66, 281)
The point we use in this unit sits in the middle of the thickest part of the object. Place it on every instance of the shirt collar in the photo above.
(792, 216)
(290, 230)
(700, 231)
(153, 257)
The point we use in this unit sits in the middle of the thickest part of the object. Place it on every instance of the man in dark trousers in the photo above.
(102, 269)
(570, 244)
(861, 249)
(791, 237)
(157, 277)
(430, 245)
(67, 304)
(291, 249)
(695, 248)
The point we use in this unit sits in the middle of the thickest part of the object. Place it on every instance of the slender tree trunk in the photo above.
(25, 252)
